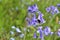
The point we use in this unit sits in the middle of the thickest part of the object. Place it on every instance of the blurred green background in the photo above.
(14, 12)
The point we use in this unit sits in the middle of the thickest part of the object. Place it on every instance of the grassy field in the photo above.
(14, 13)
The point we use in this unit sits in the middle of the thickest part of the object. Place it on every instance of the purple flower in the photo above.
(58, 32)
(56, 10)
(40, 17)
(52, 12)
(58, 5)
(51, 33)
(52, 9)
(40, 31)
(33, 8)
(41, 34)
(34, 35)
(28, 21)
(34, 20)
(48, 9)
(39, 28)
(47, 30)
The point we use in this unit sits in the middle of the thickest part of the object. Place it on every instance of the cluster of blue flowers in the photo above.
(34, 20)
(53, 10)
(45, 32)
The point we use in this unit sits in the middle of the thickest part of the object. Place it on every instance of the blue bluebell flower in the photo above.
(34, 36)
(39, 28)
(56, 10)
(53, 10)
(40, 17)
(40, 31)
(41, 34)
(58, 33)
(47, 30)
(51, 33)
(58, 5)
(28, 21)
(32, 21)
(48, 9)
(33, 8)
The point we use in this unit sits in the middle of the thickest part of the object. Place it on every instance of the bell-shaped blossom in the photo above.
(34, 36)
(48, 9)
(40, 17)
(33, 8)
(53, 10)
(39, 28)
(41, 34)
(51, 33)
(58, 5)
(40, 31)
(47, 30)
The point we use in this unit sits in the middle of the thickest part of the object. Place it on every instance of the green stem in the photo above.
(52, 19)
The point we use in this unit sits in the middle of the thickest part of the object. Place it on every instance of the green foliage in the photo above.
(9, 16)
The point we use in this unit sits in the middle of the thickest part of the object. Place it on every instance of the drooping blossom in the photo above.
(39, 28)
(58, 5)
(52, 9)
(34, 36)
(47, 31)
(40, 31)
(32, 21)
(33, 8)
(51, 33)
(40, 17)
